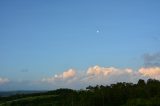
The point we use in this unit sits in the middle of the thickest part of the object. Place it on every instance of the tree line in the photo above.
(120, 94)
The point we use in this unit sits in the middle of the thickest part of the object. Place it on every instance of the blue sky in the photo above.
(43, 37)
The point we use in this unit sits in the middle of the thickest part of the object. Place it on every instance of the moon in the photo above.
(97, 31)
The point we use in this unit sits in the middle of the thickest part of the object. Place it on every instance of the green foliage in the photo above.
(155, 101)
(119, 94)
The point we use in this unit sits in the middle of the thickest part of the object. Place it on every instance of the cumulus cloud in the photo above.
(92, 76)
(3, 80)
(66, 75)
(96, 70)
(108, 75)
(152, 72)
(102, 75)
(69, 74)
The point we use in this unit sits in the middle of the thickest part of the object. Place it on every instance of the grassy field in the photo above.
(44, 100)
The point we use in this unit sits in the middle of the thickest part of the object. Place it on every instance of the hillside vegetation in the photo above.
(119, 94)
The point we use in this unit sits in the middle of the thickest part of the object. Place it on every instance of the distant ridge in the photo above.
(11, 93)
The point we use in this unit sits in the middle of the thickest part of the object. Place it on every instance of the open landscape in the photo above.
(79, 52)
(119, 94)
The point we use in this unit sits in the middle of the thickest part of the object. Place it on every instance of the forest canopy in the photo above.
(119, 94)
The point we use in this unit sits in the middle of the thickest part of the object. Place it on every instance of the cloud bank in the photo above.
(102, 75)
(75, 79)
(152, 72)
(107, 75)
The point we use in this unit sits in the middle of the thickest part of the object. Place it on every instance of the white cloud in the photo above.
(152, 72)
(108, 75)
(66, 75)
(101, 75)
(69, 74)
(3, 80)
(96, 70)
(92, 76)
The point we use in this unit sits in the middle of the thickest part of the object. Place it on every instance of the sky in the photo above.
(47, 44)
